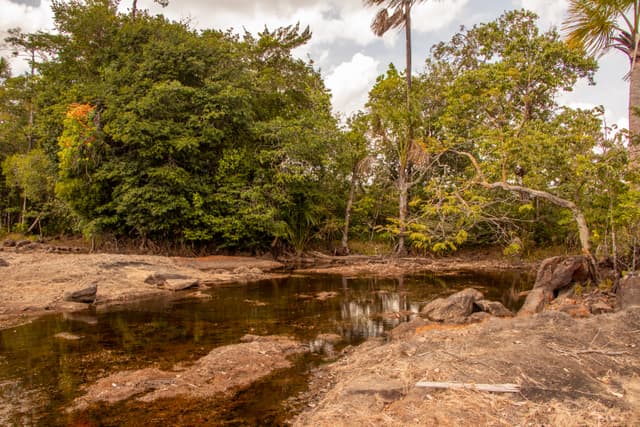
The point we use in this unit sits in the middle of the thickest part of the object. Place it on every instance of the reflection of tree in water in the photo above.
(368, 312)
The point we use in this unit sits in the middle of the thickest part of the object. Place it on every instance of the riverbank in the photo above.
(37, 282)
(37, 279)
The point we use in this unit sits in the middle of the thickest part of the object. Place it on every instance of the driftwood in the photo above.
(494, 388)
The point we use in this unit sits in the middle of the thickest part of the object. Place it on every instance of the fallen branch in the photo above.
(495, 388)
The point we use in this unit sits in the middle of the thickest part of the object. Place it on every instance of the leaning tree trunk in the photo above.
(634, 115)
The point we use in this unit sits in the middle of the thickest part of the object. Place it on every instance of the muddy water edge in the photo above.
(45, 364)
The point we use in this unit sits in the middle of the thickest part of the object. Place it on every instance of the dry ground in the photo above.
(573, 372)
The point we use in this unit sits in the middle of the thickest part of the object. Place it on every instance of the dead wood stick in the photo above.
(495, 388)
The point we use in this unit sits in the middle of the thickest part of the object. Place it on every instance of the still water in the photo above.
(41, 374)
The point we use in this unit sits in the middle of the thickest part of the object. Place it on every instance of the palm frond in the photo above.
(594, 24)
(384, 22)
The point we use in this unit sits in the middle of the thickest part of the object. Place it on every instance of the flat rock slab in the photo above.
(224, 370)
(228, 263)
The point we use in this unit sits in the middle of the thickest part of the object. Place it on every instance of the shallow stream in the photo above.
(41, 374)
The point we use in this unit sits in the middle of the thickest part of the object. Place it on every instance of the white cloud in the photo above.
(29, 19)
(350, 83)
(551, 12)
(329, 20)
(435, 15)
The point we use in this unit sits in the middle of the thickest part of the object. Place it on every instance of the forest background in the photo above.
(134, 130)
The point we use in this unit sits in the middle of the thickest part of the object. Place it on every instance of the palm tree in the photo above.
(601, 25)
(396, 14)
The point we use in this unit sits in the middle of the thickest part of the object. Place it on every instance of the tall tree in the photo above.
(502, 114)
(602, 25)
(396, 14)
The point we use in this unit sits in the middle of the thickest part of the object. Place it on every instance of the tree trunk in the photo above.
(347, 212)
(23, 219)
(634, 116)
(402, 209)
(403, 180)
(407, 32)
(134, 8)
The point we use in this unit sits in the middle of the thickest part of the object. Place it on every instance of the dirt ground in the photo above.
(572, 372)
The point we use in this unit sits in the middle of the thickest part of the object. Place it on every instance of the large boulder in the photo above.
(86, 294)
(629, 291)
(554, 273)
(455, 308)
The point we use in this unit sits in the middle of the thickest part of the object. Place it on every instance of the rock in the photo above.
(85, 295)
(554, 274)
(458, 305)
(159, 279)
(180, 284)
(629, 291)
(221, 373)
(242, 270)
(600, 307)
(494, 308)
(9, 243)
(3, 263)
(255, 270)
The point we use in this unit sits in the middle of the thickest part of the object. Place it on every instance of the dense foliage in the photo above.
(130, 126)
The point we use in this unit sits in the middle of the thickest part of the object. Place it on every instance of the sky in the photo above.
(344, 49)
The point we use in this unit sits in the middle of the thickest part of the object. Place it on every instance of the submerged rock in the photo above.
(224, 370)
(67, 336)
(3, 263)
